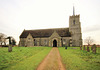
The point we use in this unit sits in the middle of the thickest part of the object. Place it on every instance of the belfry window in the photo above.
(73, 21)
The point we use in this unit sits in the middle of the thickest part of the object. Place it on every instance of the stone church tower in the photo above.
(75, 29)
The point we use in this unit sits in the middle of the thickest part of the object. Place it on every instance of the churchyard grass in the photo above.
(75, 59)
(22, 58)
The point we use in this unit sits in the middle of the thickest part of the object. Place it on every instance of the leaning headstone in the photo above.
(9, 48)
(88, 50)
(80, 47)
(94, 48)
(84, 48)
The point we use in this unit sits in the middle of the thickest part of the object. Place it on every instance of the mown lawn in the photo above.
(22, 58)
(75, 59)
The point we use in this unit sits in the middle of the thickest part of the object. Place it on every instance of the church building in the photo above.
(55, 37)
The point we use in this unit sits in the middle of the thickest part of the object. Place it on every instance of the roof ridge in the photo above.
(63, 32)
(47, 29)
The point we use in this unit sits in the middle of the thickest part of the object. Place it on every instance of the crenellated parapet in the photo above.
(77, 16)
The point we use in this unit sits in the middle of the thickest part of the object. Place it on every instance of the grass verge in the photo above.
(22, 58)
(75, 59)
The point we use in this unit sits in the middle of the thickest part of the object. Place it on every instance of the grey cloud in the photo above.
(91, 28)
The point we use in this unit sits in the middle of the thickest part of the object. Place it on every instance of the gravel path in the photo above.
(52, 61)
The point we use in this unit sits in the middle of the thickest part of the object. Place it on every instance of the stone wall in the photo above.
(41, 41)
(22, 42)
(61, 41)
(27, 41)
(67, 41)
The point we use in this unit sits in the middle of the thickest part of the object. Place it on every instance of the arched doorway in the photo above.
(54, 43)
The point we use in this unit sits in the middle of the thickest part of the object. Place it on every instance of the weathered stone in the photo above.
(80, 47)
(84, 48)
(88, 50)
(94, 48)
(9, 48)
(65, 47)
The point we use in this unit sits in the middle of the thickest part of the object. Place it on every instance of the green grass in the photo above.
(75, 59)
(22, 58)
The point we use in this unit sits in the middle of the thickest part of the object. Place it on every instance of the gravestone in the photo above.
(65, 47)
(88, 50)
(9, 48)
(94, 48)
(10, 44)
(84, 48)
(80, 47)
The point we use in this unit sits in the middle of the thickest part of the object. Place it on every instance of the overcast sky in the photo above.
(17, 15)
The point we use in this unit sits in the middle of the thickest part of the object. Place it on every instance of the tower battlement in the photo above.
(74, 16)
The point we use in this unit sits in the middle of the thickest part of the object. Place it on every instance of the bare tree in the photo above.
(89, 41)
(2, 39)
